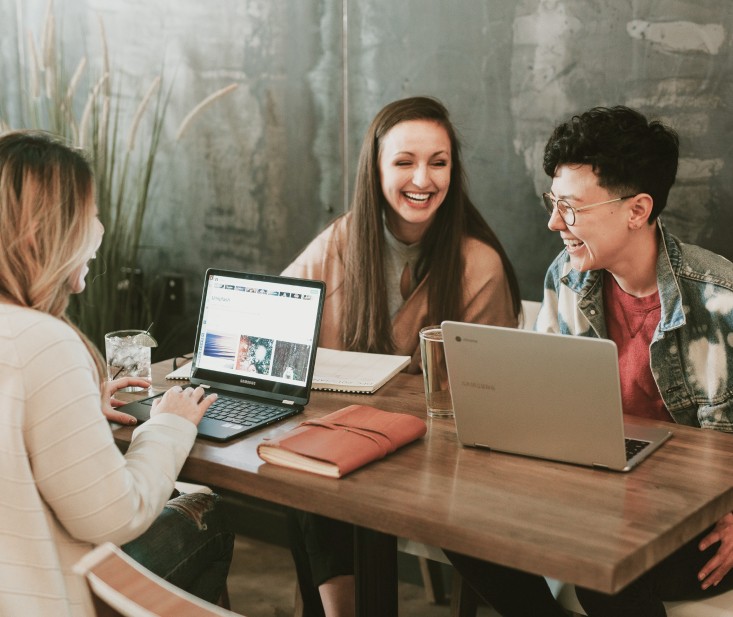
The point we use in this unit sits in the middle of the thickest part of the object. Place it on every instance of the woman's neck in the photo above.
(403, 231)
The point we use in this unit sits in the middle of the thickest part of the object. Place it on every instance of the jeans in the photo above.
(188, 545)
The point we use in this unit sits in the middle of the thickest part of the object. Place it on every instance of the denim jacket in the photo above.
(691, 353)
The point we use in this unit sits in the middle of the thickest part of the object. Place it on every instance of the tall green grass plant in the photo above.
(88, 111)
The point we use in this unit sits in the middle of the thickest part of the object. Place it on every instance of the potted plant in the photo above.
(90, 113)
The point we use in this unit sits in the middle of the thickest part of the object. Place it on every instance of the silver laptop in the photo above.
(549, 396)
(255, 347)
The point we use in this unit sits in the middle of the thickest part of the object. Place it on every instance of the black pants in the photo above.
(512, 593)
(322, 548)
(675, 578)
(518, 594)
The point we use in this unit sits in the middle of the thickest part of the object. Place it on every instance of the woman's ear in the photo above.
(640, 211)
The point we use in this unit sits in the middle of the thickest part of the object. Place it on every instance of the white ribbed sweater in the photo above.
(64, 485)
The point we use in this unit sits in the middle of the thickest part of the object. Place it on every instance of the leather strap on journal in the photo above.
(377, 437)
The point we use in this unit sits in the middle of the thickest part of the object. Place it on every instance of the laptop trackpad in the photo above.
(140, 409)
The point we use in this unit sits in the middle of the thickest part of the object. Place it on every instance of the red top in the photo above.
(631, 323)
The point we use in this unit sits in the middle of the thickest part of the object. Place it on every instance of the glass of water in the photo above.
(435, 373)
(128, 355)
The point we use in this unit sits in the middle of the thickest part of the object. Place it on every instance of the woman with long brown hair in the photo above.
(412, 251)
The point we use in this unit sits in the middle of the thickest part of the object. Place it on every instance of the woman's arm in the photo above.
(96, 493)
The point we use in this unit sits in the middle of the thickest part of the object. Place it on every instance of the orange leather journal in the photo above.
(342, 441)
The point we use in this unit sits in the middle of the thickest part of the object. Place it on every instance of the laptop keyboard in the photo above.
(239, 411)
(634, 446)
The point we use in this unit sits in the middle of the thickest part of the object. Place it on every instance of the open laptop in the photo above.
(550, 396)
(256, 342)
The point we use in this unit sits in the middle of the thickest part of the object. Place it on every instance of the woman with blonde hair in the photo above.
(412, 251)
(66, 485)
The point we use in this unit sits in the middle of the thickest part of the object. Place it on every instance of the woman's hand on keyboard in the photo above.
(189, 403)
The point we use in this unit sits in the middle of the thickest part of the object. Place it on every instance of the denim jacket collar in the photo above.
(588, 284)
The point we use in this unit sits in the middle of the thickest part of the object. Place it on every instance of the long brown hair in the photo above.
(46, 208)
(367, 324)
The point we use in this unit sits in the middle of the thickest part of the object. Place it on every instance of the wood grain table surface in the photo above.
(594, 528)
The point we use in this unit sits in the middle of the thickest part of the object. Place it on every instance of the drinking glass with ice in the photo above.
(128, 355)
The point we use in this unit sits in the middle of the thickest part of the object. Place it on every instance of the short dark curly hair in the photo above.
(628, 153)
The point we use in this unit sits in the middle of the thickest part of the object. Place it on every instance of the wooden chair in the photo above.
(530, 310)
(717, 606)
(463, 601)
(121, 587)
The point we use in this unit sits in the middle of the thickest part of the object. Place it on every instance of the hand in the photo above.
(109, 401)
(189, 403)
(721, 563)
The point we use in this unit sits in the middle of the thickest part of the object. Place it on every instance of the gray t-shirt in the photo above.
(397, 254)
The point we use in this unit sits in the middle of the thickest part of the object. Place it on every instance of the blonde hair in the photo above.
(47, 208)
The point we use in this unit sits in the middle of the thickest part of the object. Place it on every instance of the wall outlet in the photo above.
(173, 296)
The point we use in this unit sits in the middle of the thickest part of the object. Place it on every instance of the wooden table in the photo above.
(593, 528)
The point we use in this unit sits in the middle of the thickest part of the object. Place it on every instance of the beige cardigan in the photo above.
(487, 298)
(64, 485)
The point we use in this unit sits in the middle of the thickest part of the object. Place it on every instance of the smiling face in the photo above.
(414, 171)
(600, 237)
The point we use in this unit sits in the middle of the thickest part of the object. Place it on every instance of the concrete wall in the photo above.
(263, 170)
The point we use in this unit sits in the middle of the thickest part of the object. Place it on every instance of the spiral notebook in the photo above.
(354, 371)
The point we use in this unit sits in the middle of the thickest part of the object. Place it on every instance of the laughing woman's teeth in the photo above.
(417, 197)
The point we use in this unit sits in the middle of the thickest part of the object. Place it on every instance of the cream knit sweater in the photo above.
(64, 484)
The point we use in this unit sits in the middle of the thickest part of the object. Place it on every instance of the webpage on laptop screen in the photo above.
(258, 327)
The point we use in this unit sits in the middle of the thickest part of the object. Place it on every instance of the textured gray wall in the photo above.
(263, 170)
(509, 71)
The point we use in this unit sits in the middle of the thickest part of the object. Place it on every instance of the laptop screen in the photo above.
(258, 334)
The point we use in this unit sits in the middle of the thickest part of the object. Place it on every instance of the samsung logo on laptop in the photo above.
(249, 382)
(478, 385)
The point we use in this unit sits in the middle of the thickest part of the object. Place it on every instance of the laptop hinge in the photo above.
(288, 402)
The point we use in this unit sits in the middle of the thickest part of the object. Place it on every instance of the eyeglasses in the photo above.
(567, 212)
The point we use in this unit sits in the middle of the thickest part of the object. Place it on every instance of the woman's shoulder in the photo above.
(21, 319)
(33, 338)
(335, 232)
(478, 254)
(327, 245)
(28, 329)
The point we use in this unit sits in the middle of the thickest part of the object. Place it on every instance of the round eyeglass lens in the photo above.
(548, 203)
(566, 212)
